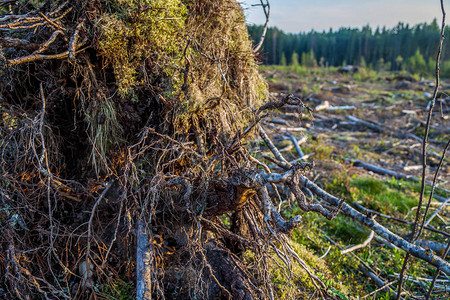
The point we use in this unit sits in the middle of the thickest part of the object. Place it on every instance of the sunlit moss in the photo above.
(137, 31)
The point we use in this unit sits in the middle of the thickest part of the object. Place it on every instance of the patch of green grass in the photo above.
(321, 149)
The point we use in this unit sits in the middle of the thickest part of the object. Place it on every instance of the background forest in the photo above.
(404, 47)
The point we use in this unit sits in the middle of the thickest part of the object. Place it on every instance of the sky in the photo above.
(304, 15)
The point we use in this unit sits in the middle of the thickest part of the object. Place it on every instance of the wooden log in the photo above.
(385, 233)
(379, 127)
(143, 263)
(322, 106)
(396, 175)
(343, 107)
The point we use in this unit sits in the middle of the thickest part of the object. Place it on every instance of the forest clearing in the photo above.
(146, 153)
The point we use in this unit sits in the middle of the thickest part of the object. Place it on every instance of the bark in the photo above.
(385, 233)
(143, 263)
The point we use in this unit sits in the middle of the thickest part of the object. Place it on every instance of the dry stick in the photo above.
(369, 211)
(143, 262)
(297, 147)
(365, 269)
(432, 189)
(88, 249)
(424, 151)
(436, 212)
(376, 126)
(9, 42)
(397, 175)
(380, 289)
(266, 8)
(115, 235)
(437, 273)
(378, 228)
(51, 22)
(73, 41)
(50, 40)
(34, 57)
(362, 245)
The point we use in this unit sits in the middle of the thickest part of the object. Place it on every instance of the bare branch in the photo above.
(73, 41)
(362, 245)
(266, 9)
(379, 229)
(51, 22)
(424, 151)
(35, 57)
(50, 40)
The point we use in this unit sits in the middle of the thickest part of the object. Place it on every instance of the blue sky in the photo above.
(304, 15)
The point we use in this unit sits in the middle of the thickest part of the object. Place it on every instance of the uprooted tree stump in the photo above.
(122, 133)
(123, 127)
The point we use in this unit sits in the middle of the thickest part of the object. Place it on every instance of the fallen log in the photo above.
(396, 175)
(342, 107)
(385, 233)
(376, 126)
(143, 263)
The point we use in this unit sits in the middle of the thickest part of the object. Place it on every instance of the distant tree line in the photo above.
(404, 47)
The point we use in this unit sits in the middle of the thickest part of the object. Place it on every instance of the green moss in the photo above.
(136, 31)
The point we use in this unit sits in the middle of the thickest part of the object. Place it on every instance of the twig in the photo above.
(266, 9)
(424, 151)
(365, 269)
(326, 252)
(383, 171)
(436, 212)
(297, 147)
(18, 43)
(370, 211)
(88, 249)
(50, 40)
(37, 56)
(382, 288)
(50, 21)
(362, 245)
(432, 189)
(437, 272)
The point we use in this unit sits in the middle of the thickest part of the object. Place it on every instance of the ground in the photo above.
(397, 103)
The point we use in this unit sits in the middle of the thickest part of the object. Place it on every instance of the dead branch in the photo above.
(383, 171)
(51, 22)
(50, 40)
(433, 186)
(383, 128)
(287, 100)
(373, 212)
(296, 145)
(266, 9)
(413, 236)
(144, 261)
(362, 245)
(398, 241)
(366, 269)
(436, 275)
(74, 40)
(36, 57)
(436, 212)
